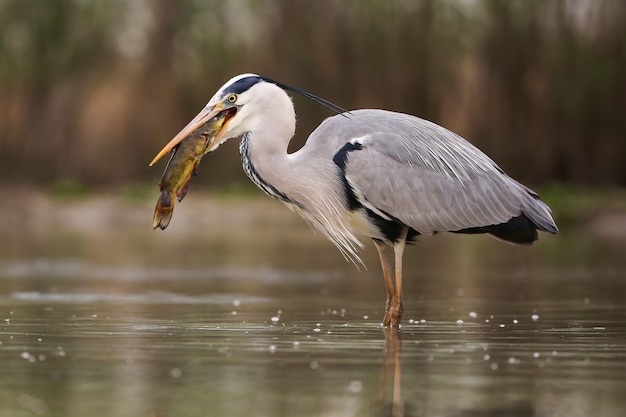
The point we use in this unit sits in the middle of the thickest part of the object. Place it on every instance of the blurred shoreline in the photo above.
(601, 212)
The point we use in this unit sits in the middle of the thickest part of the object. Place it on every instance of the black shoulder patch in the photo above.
(341, 156)
(391, 228)
(340, 160)
(242, 85)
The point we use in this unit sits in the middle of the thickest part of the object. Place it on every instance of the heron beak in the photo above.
(203, 117)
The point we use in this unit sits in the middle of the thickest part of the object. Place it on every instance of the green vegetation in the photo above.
(92, 89)
(136, 192)
(68, 189)
(575, 205)
(237, 191)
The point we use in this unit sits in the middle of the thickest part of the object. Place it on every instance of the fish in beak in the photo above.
(200, 136)
(214, 137)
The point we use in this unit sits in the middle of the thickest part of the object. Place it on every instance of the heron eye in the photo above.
(232, 98)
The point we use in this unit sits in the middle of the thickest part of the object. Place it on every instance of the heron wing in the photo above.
(433, 180)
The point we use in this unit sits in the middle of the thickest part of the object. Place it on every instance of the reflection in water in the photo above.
(79, 344)
(390, 398)
(523, 409)
(391, 377)
(124, 322)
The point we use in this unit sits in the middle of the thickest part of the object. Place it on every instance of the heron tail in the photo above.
(519, 230)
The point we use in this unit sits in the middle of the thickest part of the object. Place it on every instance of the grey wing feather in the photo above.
(432, 179)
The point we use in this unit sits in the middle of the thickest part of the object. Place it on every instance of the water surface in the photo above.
(238, 318)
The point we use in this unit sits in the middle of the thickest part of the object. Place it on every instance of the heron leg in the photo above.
(386, 264)
(396, 306)
(393, 279)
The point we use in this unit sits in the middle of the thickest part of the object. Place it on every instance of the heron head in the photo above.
(248, 102)
(245, 100)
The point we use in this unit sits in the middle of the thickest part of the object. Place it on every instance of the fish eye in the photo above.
(231, 98)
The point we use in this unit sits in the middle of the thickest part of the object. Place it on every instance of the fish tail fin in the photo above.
(163, 211)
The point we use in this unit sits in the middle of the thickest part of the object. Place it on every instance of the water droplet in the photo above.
(473, 314)
(494, 366)
(535, 317)
(513, 361)
(236, 303)
(314, 365)
(176, 372)
(34, 405)
(536, 355)
(275, 319)
(272, 348)
(486, 357)
(515, 321)
(355, 387)
(459, 321)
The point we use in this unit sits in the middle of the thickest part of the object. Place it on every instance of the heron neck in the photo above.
(265, 163)
(306, 182)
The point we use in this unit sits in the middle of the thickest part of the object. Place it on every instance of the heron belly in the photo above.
(361, 225)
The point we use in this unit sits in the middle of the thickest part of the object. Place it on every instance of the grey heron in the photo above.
(375, 173)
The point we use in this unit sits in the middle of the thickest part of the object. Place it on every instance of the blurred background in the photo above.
(101, 315)
(91, 90)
